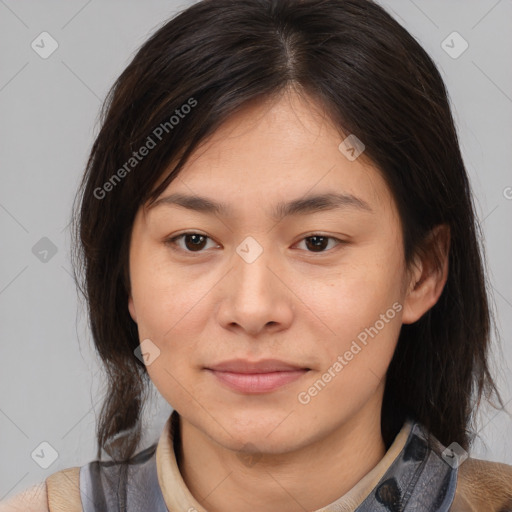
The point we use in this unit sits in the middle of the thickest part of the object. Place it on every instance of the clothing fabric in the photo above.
(412, 476)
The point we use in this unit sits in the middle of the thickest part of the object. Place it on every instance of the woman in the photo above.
(276, 229)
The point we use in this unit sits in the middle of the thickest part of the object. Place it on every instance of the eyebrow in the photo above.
(302, 206)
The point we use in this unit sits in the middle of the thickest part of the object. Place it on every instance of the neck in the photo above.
(308, 478)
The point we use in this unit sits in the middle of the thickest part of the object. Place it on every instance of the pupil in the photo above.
(194, 244)
(319, 241)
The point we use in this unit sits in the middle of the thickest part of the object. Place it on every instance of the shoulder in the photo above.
(483, 485)
(60, 492)
(33, 499)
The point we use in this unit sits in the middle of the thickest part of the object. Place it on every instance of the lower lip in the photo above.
(257, 382)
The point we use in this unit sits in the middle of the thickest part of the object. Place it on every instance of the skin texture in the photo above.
(33, 499)
(293, 303)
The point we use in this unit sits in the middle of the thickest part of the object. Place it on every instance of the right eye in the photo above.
(193, 242)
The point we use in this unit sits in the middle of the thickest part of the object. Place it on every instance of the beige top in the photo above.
(178, 497)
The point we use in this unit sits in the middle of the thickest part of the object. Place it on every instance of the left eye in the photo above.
(320, 242)
(195, 242)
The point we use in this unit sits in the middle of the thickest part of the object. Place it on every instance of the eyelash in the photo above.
(172, 242)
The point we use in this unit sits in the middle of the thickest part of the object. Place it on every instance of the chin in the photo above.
(266, 430)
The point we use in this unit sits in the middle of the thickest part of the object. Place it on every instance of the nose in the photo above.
(255, 296)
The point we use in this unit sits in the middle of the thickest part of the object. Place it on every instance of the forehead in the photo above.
(280, 151)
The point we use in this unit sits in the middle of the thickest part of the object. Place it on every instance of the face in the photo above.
(320, 288)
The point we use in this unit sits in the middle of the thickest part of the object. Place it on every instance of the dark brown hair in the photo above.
(375, 81)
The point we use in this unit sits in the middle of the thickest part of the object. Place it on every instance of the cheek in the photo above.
(361, 307)
(365, 321)
(168, 308)
(163, 295)
(359, 294)
(169, 314)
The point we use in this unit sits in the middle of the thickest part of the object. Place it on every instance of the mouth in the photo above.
(256, 377)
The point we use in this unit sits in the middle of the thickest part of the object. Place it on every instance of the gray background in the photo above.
(51, 384)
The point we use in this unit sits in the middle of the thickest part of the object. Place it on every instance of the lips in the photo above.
(256, 376)
(262, 366)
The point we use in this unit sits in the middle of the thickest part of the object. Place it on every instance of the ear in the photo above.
(428, 274)
(131, 308)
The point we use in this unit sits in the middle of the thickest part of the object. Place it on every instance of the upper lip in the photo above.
(262, 366)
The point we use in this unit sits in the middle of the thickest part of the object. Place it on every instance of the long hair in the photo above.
(375, 81)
